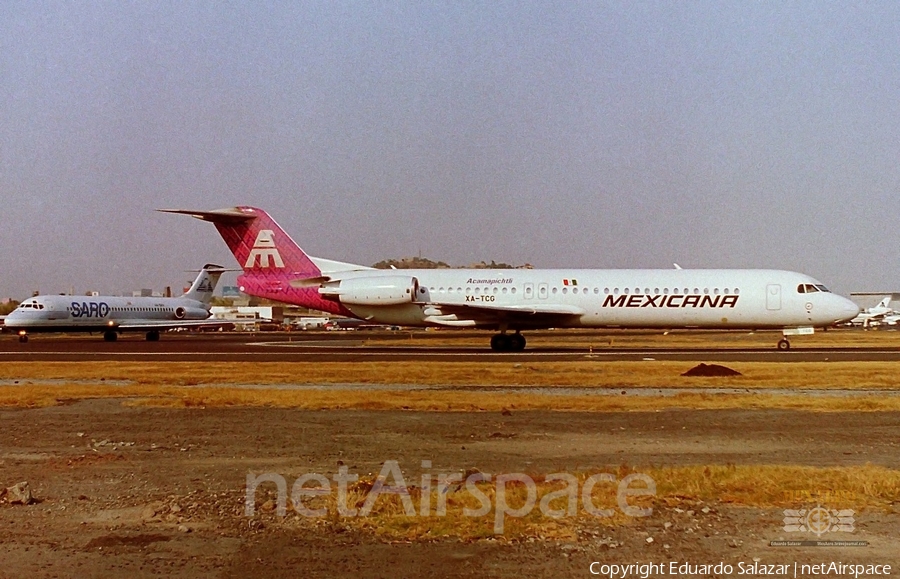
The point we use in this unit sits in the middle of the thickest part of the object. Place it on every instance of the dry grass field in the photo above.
(586, 374)
(868, 487)
(140, 467)
(461, 386)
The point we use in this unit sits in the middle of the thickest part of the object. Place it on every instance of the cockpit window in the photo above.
(822, 288)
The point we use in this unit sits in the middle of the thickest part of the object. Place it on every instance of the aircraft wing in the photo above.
(147, 325)
(533, 310)
(489, 315)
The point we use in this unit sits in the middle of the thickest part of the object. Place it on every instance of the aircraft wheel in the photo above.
(517, 342)
(500, 343)
(783, 344)
(153, 336)
(23, 338)
(110, 336)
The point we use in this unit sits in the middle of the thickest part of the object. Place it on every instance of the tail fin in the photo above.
(203, 287)
(274, 266)
(260, 245)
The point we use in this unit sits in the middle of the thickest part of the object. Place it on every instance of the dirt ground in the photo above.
(147, 492)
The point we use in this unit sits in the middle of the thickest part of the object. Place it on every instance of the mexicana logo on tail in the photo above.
(264, 249)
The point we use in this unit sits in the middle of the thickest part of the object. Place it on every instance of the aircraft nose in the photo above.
(848, 310)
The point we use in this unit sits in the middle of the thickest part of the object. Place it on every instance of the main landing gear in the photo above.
(110, 336)
(508, 342)
(783, 344)
(153, 336)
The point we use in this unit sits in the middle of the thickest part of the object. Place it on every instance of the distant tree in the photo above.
(8, 307)
(411, 263)
(425, 263)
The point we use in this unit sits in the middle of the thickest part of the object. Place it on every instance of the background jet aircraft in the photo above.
(876, 314)
(515, 300)
(112, 315)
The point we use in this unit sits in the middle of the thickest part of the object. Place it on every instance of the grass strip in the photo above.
(558, 514)
(424, 400)
(755, 375)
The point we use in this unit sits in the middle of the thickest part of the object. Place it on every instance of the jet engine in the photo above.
(189, 313)
(386, 290)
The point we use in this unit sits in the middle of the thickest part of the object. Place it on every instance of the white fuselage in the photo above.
(676, 298)
(52, 313)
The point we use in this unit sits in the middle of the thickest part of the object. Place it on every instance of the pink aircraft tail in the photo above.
(271, 260)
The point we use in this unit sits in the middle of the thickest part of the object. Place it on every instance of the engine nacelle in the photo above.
(389, 290)
(190, 313)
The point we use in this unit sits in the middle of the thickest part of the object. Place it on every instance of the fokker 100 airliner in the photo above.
(112, 315)
(511, 301)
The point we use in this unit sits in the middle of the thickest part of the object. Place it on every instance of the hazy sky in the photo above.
(583, 134)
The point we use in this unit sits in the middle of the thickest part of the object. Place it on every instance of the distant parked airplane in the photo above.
(515, 300)
(876, 314)
(112, 315)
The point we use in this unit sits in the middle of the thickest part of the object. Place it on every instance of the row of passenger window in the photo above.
(576, 290)
(677, 291)
(117, 309)
(476, 291)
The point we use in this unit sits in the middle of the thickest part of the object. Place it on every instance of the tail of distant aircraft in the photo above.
(203, 287)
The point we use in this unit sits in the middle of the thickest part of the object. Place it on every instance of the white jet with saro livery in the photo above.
(511, 301)
(112, 315)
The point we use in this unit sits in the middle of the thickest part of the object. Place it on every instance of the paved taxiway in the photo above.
(370, 347)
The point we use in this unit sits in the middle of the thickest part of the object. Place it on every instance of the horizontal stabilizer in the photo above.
(229, 215)
(309, 281)
(212, 268)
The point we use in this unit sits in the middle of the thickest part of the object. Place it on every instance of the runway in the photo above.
(385, 346)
